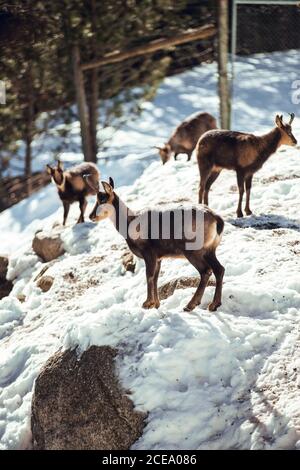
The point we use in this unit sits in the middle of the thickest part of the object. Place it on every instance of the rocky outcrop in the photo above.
(168, 289)
(78, 403)
(48, 244)
(5, 285)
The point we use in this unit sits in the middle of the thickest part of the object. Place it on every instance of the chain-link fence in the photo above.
(265, 52)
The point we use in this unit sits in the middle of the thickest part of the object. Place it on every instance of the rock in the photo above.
(79, 404)
(21, 298)
(3, 267)
(5, 285)
(45, 283)
(128, 261)
(168, 289)
(5, 288)
(48, 244)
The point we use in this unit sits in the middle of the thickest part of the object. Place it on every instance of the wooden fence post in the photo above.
(224, 90)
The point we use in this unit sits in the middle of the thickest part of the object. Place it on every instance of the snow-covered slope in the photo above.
(220, 380)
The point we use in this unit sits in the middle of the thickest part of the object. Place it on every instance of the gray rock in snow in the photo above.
(48, 244)
(79, 404)
(128, 261)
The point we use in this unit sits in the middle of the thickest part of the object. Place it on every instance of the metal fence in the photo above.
(265, 55)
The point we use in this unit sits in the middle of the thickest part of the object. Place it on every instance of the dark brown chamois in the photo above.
(186, 136)
(245, 153)
(153, 235)
(72, 186)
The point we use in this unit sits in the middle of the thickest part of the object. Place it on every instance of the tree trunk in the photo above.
(82, 106)
(93, 112)
(28, 136)
(224, 93)
(94, 86)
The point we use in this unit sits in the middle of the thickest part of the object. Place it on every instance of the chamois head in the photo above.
(57, 173)
(287, 137)
(103, 208)
(164, 152)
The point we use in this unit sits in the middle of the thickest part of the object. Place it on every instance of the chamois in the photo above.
(72, 186)
(153, 248)
(243, 152)
(186, 136)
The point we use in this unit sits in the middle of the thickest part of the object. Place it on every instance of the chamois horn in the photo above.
(291, 118)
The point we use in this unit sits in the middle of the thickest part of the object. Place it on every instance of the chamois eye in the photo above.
(103, 198)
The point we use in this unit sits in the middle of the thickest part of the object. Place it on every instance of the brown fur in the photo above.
(153, 250)
(72, 186)
(242, 152)
(186, 135)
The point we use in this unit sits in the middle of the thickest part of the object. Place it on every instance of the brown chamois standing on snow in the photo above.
(72, 186)
(153, 248)
(186, 136)
(245, 153)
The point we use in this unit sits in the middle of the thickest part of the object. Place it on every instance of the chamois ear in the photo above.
(111, 182)
(60, 165)
(94, 186)
(49, 169)
(107, 187)
(278, 121)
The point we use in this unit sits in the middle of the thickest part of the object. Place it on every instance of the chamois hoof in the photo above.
(213, 306)
(239, 215)
(189, 307)
(248, 212)
(150, 304)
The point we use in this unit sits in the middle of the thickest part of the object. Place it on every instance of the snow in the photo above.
(223, 380)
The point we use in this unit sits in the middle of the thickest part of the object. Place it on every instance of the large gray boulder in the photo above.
(48, 244)
(79, 404)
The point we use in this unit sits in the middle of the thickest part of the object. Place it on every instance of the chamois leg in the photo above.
(151, 272)
(66, 211)
(248, 184)
(204, 270)
(240, 182)
(82, 205)
(94, 211)
(209, 182)
(157, 270)
(218, 271)
(204, 175)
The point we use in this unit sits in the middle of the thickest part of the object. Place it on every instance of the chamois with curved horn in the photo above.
(243, 152)
(153, 235)
(72, 186)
